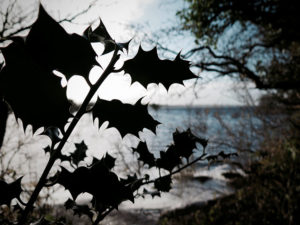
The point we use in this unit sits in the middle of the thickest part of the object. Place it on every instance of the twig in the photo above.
(57, 151)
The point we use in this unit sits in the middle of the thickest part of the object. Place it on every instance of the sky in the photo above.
(121, 18)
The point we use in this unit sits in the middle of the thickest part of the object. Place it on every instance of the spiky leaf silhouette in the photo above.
(100, 34)
(169, 159)
(79, 209)
(185, 142)
(9, 191)
(144, 154)
(80, 152)
(130, 179)
(97, 180)
(108, 161)
(146, 68)
(163, 183)
(128, 119)
(55, 49)
(152, 193)
(34, 94)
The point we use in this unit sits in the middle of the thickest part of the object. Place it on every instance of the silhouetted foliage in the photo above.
(256, 41)
(10, 191)
(38, 99)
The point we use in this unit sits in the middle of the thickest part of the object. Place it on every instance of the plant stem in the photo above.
(100, 217)
(178, 170)
(57, 151)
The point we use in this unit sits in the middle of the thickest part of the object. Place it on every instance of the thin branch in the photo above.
(100, 217)
(178, 170)
(72, 18)
(79, 114)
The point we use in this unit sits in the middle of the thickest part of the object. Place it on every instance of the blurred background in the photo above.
(245, 101)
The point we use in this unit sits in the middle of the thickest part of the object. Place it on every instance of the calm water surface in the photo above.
(221, 125)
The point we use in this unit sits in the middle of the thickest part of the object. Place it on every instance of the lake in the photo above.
(225, 127)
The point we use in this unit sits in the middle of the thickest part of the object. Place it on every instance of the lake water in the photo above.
(225, 127)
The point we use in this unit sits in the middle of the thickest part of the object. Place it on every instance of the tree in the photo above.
(256, 41)
(35, 95)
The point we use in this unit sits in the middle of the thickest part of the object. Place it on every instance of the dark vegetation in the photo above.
(29, 88)
(254, 41)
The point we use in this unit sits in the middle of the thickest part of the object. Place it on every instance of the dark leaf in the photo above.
(125, 117)
(34, 94)
(144, 154)
(108, 161)
(101, 35)
(47, 149)
(146, 68)
(185, 143)
(221, 154)
(80, 153)
(169, 159)
(95, 160)
(227, 155)
(130, 179)
(9, 191)
(79, 209)
(53, 48)
(97, 180)
(152, 193)
(17, 208)
(163, 183)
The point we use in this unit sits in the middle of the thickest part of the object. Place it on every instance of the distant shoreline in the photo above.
(155, 106)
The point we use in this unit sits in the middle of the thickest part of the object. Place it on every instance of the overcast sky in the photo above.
(149, 16)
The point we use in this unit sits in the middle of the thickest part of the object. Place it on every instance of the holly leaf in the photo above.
(146, 68)
(108, 161)
(185, 142)
(99, 181)
(47, 149)
(101, 35)
(129, 180)
(144, 154)
(79, 209)
(80, 153)
(53, 48)
(163, 183)
(9, 191)
(34, 94)
(169, 159)
(125, 118)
